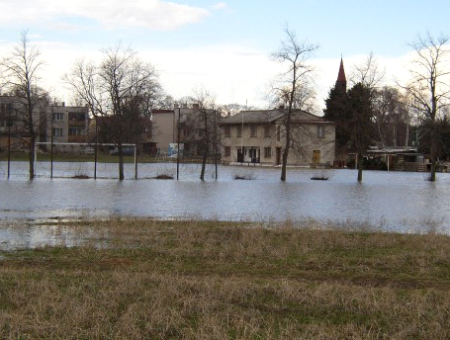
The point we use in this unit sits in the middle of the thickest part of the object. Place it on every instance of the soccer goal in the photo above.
(87, 149)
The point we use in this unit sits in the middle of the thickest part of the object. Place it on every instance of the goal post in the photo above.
(83, 146)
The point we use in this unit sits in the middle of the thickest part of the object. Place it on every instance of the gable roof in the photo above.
(269, 116)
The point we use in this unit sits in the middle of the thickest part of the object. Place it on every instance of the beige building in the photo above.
(191, 131)
(69, 124)
(164, 129)
(259, 136)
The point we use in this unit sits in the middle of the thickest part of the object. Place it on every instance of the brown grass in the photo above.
(145, 279)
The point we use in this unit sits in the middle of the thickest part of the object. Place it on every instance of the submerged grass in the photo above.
(217, 280)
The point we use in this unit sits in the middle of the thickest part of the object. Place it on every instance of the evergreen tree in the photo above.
(360, 109)
(336, 111)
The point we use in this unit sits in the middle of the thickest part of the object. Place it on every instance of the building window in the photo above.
(278, 133)
(238, 131)
(57, 132)
(76, 131)
(75, 116)
(6, 108)
(320, 131)
(227, 151)
(6, 123)
(267, 152)
(267, 131)
(253, 130)
(58, 116)
(227, 131)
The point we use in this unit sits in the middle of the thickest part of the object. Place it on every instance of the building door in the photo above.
(240, 155)
(316, 156)
(278, 151)
(252, 155)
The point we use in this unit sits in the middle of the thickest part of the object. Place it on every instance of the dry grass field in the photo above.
(146, 279)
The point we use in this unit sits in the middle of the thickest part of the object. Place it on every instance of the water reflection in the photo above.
(403, 202)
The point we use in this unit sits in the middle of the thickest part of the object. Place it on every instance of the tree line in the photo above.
(123, 88)
(370, 114)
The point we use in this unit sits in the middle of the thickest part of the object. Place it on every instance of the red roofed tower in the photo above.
(336, 111)
(341, 82)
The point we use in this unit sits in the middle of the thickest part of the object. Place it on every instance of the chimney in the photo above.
(281, 107)
(195, 106)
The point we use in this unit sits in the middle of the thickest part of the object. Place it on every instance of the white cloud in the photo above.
(153, 14)
(220, 5)
(235, 74)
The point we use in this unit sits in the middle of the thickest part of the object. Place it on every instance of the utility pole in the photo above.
(215, 142)
(178, 142)
(96, 147)
(9, 108)
(51, 142)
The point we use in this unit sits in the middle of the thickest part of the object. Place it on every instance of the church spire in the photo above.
(341, 80)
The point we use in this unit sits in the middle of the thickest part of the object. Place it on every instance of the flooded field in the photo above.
(392, 201)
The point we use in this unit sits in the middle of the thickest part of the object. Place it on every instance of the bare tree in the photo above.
(201, 127)
(368, 72)
(391, 116)
(120, 90)
(83, 79)
(292, 87)
(429, 86)
(232, 109)
(21, 81)
(165, 102)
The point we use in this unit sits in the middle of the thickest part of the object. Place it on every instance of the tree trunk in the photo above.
(205, 143)
(360, 167)
(394, 134)
(31, 158)
(202, 173)
(433, 172)
(360, 173)
(433, 152)
(287, 144)
(284, 164)
(433, 160)
(33, 137)
(380, 134)
(120, 151)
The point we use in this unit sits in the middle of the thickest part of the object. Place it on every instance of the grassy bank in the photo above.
(211, 280)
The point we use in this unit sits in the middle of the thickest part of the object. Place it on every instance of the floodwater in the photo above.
(391, 201)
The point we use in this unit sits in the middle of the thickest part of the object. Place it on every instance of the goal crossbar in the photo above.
(90, 145)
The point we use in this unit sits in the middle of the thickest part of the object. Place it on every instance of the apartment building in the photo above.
(63, 124)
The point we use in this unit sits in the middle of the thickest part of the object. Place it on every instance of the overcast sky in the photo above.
(223, 47)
